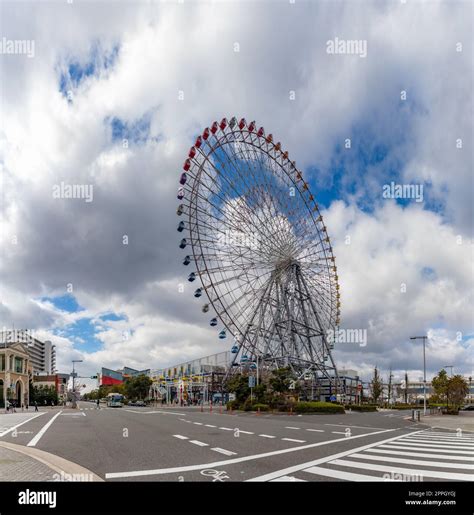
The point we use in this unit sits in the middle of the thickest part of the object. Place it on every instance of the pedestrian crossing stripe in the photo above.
(400, 459)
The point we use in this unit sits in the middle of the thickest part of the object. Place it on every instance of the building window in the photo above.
(18, 365)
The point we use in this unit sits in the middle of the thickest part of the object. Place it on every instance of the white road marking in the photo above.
(245, 432)
(6, 431)
(406, 461)
(357, 427)
(313, 463)
(289, 479)
(316, 430)
(293, 440)
(289, 427)
(433, 449)
(342, 474)
(267, 436)
(209, 425)
(226, 428)
(338, 432)
(419, 454)
(458, 446)
(42, 431)
(223, 451)
(181, 437)
(403, 470)
(447, 438)
(198, 423)
(188, 468)
(197, 442)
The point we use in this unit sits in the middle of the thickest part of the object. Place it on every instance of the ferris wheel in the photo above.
(258, 250)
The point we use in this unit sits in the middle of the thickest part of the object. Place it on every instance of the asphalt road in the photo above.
(184, 444)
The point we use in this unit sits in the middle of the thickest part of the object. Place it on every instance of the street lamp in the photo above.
(74, 361)
(424, 338)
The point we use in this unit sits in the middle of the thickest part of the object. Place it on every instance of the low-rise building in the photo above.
(15, 370)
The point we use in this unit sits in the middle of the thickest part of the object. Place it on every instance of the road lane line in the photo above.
(338, 432)
(226, 428)
(403, 470)
(357, 427)
(290, 427)
(267, 436)
(198, 423)
(316, 430)
(181, 437)
(223, 451)
(293, 440)
(313, 463)
(209, 425)
(289, 479)
(188, 468)
(409, 461)
(42, 431)
(197, 442)
(245, 432)
(20, 424)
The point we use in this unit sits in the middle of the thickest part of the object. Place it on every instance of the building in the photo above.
(15, 370)
(109, 377)
(42, 354)
(58, 381)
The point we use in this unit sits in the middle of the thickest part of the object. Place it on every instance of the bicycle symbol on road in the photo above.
(218, 475)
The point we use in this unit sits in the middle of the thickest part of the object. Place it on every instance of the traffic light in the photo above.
(93, 377)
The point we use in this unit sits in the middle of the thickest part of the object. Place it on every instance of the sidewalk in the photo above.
(20, 463)
(463, 421)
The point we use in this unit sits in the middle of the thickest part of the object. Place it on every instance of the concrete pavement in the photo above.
(184, 444)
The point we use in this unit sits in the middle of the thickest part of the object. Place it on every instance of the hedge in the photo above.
(362, 407)
(318, 407)
(260, 406)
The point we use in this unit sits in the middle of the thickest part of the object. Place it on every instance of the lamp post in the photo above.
(424, 338)
(74, 361)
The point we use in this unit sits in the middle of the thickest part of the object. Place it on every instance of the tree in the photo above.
(456, 390)
(239, 384)
(137, 387)
(390, 375)
(376, 386)
(440, 385)
(281, 380)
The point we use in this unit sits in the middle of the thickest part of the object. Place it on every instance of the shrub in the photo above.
(404, 406)
(318, 407)
(260, 406)
(362, 407)
(231, 405)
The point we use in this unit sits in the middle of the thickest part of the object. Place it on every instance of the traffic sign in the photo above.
(333, 398)
(251, 381)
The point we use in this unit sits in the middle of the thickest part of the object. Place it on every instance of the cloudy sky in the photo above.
(155, 74)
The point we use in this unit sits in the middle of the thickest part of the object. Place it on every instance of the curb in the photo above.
(56, 463)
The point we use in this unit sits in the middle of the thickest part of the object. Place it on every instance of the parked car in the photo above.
(137, 403)
(468, 407)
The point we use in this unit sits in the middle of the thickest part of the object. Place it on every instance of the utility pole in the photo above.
(424, 338)
(390, 375)
(74, 361)
(406, 387)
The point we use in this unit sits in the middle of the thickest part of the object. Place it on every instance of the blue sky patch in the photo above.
(64, 303)
(74, 71)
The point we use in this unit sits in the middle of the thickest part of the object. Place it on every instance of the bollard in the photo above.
(418, 415)
(202, 408)
(258, 411)
(210, 411)
(220, 409)
(413, 415)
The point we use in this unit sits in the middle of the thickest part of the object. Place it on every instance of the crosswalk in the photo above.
(422, 456)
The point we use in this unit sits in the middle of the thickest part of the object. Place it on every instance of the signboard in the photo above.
(231, 396)
(251, 381)
(333, 398)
